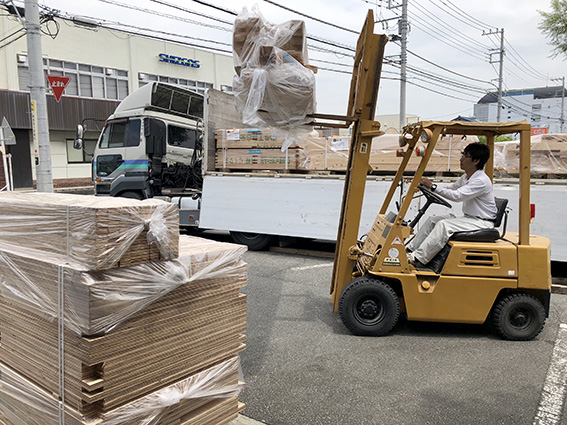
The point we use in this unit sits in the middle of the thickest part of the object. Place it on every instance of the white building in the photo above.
(104, 66)
(541, 107)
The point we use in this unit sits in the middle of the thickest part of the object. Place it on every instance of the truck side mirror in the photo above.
(78, 142)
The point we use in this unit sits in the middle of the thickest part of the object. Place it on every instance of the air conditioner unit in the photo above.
(142, 76)
(109, 71)
(22, 59)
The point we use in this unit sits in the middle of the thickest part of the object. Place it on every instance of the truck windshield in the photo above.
(121, 134)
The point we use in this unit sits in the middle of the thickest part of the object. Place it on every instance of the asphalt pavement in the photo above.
(301, 365)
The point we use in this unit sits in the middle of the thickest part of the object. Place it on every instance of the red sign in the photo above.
(539, 130)
(58, 84)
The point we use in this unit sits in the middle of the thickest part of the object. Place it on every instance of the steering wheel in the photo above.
(433, 197)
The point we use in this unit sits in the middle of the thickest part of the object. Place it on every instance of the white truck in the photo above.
(160, 142)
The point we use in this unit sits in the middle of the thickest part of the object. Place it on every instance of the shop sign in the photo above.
(177, 60)
(539, 130)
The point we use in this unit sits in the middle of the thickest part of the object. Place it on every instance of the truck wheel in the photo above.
(369, 307)
(518, 317)
(254, 241)
(131, 195)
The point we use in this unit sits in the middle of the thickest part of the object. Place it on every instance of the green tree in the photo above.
(554, 26)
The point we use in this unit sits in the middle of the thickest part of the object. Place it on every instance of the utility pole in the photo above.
(562, 100)
(44, 175)
(403, 62)
(501, 71)
(403, 37)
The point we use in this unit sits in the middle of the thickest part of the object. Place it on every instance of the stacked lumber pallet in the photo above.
(548, 155)
(255, 149)
(260, 148)
(154, 340)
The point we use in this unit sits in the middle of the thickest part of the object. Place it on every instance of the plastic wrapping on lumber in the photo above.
(24, 402)
(548, 155)
(95, 302)
(88, 232)
(272, 86)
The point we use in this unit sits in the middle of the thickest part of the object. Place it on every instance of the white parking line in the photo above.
(316, 266)
(554, 388)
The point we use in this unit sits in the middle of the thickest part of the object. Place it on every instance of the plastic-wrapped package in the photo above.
(211, 392)
(96, 302)
(548, 155)
(101, 339)
(272, 86)
(252, 33)
(91, 233)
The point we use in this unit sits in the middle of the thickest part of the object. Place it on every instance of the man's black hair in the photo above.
(478, 151)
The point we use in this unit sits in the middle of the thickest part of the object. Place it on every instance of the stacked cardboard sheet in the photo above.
(93, 343)
(95, 233)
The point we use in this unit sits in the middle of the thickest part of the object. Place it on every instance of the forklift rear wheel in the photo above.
(369, 307)
(518, 317)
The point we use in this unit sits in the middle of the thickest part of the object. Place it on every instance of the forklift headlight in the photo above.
(426, 135)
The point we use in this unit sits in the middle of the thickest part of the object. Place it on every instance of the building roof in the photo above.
(538, 93)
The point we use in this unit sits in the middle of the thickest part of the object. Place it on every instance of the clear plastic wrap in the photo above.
(101, 339)
(272, 86)
(88, 232)
(252, 34)
(96, 302)
(331, 153)
(25, 403)
(548, 156)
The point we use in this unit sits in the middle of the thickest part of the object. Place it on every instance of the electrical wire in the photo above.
(311, 17)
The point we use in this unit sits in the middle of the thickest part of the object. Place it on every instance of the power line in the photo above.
(310, 17)
(443, 25)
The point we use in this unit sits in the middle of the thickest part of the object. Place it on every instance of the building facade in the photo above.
(104, 66)
(541, 107)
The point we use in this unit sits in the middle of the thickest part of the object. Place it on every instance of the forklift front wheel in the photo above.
(518, 317)
(369, 307)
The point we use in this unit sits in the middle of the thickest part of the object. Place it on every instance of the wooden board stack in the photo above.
(125, 344)
(548, 155)
(255, 149)
(260, 148)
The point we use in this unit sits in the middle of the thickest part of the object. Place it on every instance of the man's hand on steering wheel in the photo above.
(425, 187)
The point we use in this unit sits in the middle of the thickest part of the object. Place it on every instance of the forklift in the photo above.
(483, 275)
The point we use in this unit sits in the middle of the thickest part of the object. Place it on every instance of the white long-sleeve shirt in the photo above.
(475, 193)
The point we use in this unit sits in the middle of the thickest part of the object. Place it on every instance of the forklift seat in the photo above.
(489, 234)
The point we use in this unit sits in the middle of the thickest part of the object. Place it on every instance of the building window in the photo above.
(196, 86)
(80, 156)
(86, 80)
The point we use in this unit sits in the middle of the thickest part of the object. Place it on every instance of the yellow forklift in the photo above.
(487, 274)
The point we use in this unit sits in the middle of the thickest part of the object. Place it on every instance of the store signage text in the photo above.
(177, 60)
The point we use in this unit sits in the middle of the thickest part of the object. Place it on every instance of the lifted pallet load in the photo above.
(158, 339)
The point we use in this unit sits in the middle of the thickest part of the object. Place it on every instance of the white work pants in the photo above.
(436, 231)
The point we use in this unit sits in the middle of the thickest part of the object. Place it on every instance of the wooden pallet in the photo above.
(91, 232)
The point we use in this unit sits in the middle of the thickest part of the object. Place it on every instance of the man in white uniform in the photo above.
(474, 190)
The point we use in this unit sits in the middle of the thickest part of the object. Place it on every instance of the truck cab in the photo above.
(151, 145)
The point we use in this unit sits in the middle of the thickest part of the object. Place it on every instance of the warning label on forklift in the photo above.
(389, 261)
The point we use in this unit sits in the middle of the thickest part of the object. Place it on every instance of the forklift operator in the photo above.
(474, 190)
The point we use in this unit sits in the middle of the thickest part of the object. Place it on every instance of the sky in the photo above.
(448, 34)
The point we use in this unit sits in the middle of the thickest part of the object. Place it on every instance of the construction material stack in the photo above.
(108, 316)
